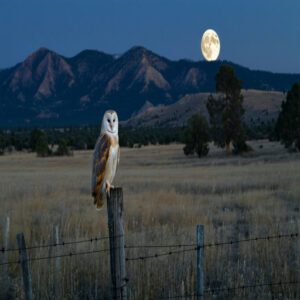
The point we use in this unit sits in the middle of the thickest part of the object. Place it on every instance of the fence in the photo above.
(118, 260)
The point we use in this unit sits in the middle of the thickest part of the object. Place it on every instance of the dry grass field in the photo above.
(166, 195)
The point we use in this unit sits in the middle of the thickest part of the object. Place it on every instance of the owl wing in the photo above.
(100, 158)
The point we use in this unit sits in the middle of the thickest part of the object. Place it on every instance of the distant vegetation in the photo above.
(84, 138)
(61, 141)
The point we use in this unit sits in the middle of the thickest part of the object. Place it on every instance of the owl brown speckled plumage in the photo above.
(106, 158)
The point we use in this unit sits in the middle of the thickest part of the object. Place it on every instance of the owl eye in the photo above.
(114, 120)
(108, 120)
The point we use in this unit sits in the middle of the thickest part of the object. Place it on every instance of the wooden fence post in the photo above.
(4, 278)
(24, 266)
(200, 262)
(53, 251)
(117, 243)
(5, 230)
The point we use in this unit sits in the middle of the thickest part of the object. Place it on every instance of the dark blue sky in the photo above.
(260, 34)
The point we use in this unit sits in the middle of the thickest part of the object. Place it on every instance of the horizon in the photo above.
(263, 40)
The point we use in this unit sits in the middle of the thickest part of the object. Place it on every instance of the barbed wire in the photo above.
(146, 257)
(96, 239)
(217, 243)
(70, 254)
(159, 246)
(156, 255)
(231, 289)
(270, 237)
(63, 243)
(195, 247)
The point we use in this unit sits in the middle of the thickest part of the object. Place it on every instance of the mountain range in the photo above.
(51, 89)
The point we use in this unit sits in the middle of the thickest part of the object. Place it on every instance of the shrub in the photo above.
(196, 136)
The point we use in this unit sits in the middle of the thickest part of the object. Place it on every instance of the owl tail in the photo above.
(99, 200)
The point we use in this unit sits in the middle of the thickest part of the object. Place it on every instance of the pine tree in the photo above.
(288, 123)
(226, 112)
(215, 109)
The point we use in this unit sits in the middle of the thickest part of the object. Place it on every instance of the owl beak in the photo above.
(111, 126)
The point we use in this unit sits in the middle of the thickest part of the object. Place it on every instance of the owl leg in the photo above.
(107, 187)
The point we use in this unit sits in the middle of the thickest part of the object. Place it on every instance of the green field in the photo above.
(166, 195)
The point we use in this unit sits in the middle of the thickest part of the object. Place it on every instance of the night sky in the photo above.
(258, 34)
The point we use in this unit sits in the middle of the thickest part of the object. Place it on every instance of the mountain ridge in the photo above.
(48, 88)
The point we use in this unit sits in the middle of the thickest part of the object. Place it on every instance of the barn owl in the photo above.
(106, 158)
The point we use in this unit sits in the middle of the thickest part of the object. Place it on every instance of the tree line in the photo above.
(62, 141)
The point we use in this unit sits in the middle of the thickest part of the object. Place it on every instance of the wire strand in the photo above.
(70, 254)
(195, 247)
(96, 239)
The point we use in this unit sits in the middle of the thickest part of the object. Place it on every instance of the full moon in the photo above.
(210, 45)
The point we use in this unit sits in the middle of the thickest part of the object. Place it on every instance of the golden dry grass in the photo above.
(166, 195)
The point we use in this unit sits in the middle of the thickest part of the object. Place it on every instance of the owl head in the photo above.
(110, 123)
